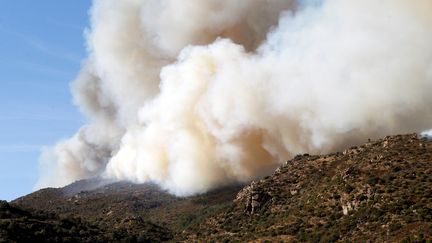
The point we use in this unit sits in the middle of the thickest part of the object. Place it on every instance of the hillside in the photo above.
(19, 225)
(380, 191)
(136, 209)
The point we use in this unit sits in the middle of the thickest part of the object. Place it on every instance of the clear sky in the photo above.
(41, 48)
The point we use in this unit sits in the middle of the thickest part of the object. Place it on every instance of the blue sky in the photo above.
(41, 48)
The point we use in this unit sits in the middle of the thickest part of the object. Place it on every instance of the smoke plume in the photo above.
(197, 94)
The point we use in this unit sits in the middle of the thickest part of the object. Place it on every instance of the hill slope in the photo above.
(19, 225)
(381, 191)
(136, 209)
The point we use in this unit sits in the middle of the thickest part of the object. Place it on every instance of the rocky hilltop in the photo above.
(380, 191)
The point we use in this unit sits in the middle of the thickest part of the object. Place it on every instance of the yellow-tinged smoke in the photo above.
(197, 94)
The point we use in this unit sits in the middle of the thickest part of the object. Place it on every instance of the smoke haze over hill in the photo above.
(197, 94)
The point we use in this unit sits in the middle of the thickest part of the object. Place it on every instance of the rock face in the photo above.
(254, 198)
(380, 192)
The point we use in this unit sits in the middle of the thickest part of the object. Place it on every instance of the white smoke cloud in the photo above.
(427, 134)
(197, 94)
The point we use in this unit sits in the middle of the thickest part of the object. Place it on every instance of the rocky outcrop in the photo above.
(253, 198)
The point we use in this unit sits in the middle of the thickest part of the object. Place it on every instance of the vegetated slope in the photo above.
(19, 225)
(138, 210)
(28, 225)
(381, 191)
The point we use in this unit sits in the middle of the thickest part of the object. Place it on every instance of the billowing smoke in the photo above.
(198, 94)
